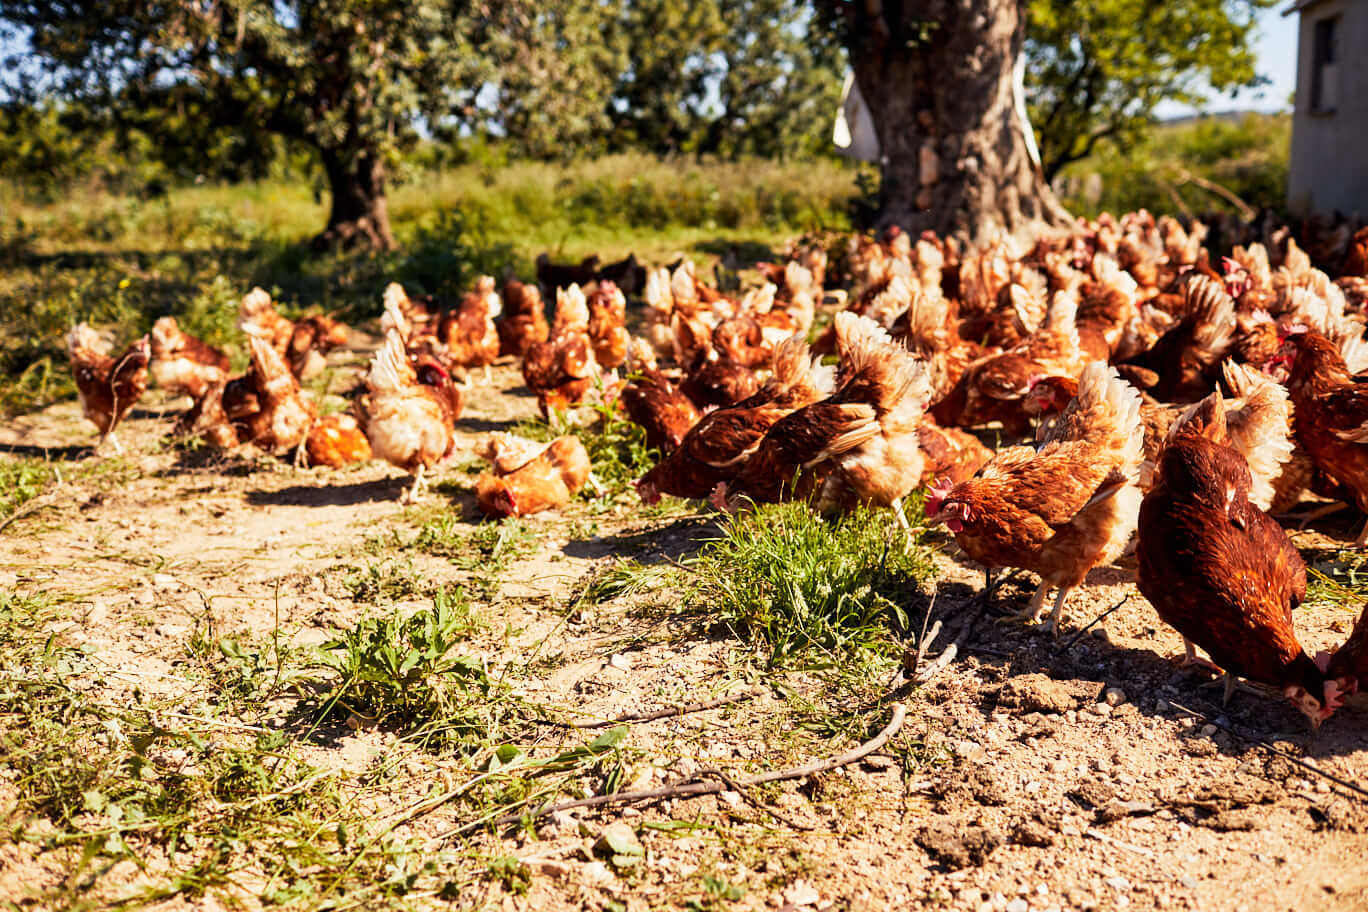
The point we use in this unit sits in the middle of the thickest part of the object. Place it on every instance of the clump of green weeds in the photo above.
(408, 671)
(385, 581)
(21, 480)
(794, 581)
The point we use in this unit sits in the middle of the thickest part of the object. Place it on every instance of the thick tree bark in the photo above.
(360, 213)
(937, 78)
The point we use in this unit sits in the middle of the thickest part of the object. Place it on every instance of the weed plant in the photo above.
(798, 584)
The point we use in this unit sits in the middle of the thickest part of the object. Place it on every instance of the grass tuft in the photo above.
(407, 671)
(793, 581)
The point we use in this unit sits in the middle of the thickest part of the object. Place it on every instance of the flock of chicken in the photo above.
(1107, 348)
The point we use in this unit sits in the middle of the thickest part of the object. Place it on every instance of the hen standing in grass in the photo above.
(468, 331)
(715, 449)
(407, 415)
(607, 325)
(1330, 414)
(265, 405)
(183, 364)
(562, 370)
(1220, 570)
(106, 386)
(860, 445)
(1062, 510)
(654, 402)
(523, 323)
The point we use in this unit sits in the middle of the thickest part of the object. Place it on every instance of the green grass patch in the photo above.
(796, 583)
(407, 670)
(21, 480)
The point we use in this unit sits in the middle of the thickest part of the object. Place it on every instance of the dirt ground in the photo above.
(1053, 773)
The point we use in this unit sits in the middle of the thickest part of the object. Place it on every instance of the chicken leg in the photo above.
(907, 528)
(1031, 613)
(118, 447)
(1192, 659)
(415, 493)
(1057, 613)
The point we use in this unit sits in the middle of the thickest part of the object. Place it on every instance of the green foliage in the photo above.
(405, 670)
(1247, 156)
(796, 582)
(21, 480)
(1097, 69)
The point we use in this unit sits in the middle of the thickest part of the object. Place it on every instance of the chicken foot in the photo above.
(413, 494)
(118, 447)
(1192, 660)
(1031, 613)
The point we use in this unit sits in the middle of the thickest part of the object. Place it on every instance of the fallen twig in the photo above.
(941, 662)
(1358, 790)
(694, 789)
(1103, 837)
(1094, 622)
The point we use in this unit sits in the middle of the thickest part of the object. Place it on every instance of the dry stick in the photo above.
(1111, 841)
(1359, 790)
(741, 790)
(693, 789)
(1095, 621)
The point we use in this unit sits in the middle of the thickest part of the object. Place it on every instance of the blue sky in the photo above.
(1276, 47)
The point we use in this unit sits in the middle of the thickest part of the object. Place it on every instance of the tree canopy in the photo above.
(1096, 69)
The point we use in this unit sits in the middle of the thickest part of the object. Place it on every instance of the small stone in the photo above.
(1017, 905)
(620, 662)
(1119, 884)
(1101, 709)
(731, 799)
(1071, 716)
(800, 893)
(970, 895)
(1208, 730)
(1114, 696)
(1059, 766)
(551, 867)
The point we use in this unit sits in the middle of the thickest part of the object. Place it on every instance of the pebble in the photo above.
(1101, 709)
(1119, 884)
(1059, 766)
(1017, 905)
(1114, 696)
(1071, 716)
(1208, 730)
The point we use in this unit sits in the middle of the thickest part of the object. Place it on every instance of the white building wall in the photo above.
(1329, 166)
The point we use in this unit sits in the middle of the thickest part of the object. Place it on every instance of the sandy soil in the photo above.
(1054, 774)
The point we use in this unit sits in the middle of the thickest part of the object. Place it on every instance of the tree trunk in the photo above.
(360, 213)
(936, 76)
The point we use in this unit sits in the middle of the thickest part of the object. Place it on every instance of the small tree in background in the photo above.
(351, 78)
